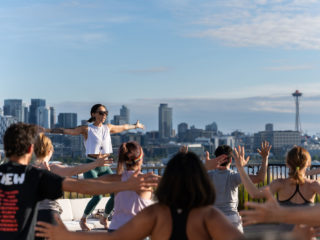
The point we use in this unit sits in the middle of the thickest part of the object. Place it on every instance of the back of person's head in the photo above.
(130, 154)
(42, 146)
(18, 139)
(223, 149)
(185, 183)
(298, 159)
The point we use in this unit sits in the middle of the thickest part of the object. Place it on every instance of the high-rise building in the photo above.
(25, 111)
(5, 122)
(35, 103)
(43, 116)
(269, 127)
(124, 114)
(52, 117)
(213, 127)
(67, 120)
(13, 107)
(165, 121)
(182, 130)
(1, 113)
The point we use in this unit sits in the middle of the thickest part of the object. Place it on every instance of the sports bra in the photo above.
(288, 202)
(179, 224)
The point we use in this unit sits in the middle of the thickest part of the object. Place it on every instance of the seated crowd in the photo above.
(192, 200)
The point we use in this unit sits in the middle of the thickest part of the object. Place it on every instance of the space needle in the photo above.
(296, 96)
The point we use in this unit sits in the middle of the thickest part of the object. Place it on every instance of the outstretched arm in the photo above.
(125, 127)
(81, 130)
(271, 211)
(314, 171)
(142, 224)
(264, 152)
(74, 170)
(94, 187)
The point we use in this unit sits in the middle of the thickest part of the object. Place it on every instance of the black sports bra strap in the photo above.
(298, 190)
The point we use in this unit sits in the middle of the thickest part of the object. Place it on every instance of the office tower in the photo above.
(35, 103)
(13, 107)
(52, 117)
(269, 127)
(124, 114)
(67, 120)
(212, 127)
(43, 116)
(182, 129)
(1, 112)
(296, 96)
(5, 122)
(165, 121)
(25, 111)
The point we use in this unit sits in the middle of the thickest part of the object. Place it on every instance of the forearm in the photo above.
(75, 170)
(248, 184)
(313, 171)
(94, 187)
(88, 236)
(262, 171)
(298, 215)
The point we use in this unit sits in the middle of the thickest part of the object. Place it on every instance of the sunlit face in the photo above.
(100, 115)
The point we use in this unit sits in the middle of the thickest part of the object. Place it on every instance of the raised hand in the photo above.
(143, 182)
(215, 163)
(239, 157)
(139, 125)
(52, 232)
(265, 149)
(261, 212)
(103, 161)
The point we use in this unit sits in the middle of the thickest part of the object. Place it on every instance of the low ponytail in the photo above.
(130, 153)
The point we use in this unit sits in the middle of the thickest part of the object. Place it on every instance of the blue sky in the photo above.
(184, 52)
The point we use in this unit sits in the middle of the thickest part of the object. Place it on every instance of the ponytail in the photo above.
(297, 159)
(130, 153)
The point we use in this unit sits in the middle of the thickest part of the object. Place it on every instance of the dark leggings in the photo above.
(46, 215)
(95, 173)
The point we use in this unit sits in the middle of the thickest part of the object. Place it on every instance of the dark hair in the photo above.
(129, 153)
(297, 159)
(223, 149)
(94, 108)
(185, 183)
(18, 138)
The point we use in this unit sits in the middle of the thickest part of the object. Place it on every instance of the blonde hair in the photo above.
(297, 159)
(42, 146)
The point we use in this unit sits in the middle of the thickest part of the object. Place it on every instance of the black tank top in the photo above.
(288, 202)
(179, 224)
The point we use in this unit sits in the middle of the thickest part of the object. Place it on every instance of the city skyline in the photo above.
(248, 54)
(248, 115)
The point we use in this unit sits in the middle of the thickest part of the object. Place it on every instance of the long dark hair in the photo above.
(94, 108)
(130, 153)
(185, 183)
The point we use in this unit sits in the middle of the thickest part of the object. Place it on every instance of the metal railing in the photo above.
(274, 171)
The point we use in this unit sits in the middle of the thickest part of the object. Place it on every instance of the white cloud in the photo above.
(242, 23)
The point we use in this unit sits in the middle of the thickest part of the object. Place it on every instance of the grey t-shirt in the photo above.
(226, 183)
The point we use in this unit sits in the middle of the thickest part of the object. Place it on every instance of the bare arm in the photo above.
(314, 171)
(65, 171)
(142, 224)
(248, 184)
(264, 152)
(81, 130)
(95, 187)
(220, 228)
(271, 211)
(125, 127)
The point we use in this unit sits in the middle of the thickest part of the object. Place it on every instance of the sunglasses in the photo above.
(103, 113)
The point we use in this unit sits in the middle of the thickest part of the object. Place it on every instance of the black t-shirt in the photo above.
(21, 188)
